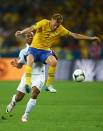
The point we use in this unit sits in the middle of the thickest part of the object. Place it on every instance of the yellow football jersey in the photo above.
(44, 37)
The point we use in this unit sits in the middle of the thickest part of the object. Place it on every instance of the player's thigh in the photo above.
(51, 60)
(30, 59)
(21, 86)
(38, 81)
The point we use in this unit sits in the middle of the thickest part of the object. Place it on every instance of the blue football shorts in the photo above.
(40, 55)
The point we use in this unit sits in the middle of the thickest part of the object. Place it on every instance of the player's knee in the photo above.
(30, 60)
(30, 63)
(34, 93)
(54, 63)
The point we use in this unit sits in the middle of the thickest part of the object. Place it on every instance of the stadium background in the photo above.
(75, 106)
(83, 17)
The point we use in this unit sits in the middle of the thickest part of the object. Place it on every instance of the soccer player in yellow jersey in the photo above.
(46, 33)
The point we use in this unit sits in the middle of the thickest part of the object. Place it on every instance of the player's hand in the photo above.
(55, 54)
(18, 33)
(14, 63)
(97, 39)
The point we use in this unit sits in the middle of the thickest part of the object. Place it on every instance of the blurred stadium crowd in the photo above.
(80, 16)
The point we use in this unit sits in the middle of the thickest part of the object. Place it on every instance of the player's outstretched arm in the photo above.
(25, 31)
(84, 37)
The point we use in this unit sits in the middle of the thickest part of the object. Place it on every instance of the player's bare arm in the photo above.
(15, 63)
(25, 31)
(79, 36)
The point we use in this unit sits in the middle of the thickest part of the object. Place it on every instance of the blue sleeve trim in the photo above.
(35, 24)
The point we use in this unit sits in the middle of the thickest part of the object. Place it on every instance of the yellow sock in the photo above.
(51, 73)
(28, 71)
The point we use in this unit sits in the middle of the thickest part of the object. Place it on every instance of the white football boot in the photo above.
(9, 107)
(24, 119)
(50, 88)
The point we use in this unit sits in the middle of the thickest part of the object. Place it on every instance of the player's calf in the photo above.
(16, 98)
(11, 105)
(31, 103)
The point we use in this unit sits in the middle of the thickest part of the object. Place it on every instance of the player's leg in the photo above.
(37, 83)
(51, 60)
(28, 69)
(31, 103)
(19, 96)
(16, 98)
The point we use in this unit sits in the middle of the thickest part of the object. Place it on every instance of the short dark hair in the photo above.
(58, 17)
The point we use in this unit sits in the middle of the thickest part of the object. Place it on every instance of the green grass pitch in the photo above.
(75, 107)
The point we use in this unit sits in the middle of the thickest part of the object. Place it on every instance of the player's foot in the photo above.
(9, 107)
(50, 88)
(24, 119)
(28, 88)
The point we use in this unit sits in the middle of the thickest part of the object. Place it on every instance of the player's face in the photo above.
(29, 37)
(54, 24)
